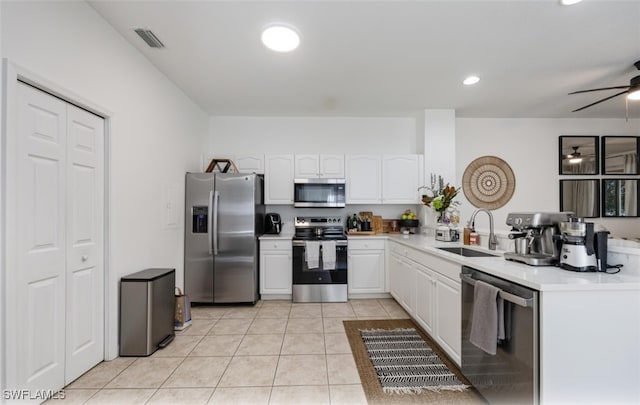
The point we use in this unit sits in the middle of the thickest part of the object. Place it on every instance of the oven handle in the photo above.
(302, 243)
(515, 299)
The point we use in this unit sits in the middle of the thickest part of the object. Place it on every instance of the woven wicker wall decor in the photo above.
(488, 182)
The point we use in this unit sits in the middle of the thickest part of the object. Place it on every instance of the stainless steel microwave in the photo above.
(319, 192)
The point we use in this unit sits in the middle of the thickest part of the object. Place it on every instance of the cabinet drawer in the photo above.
(444, 267)
(275, 244)
(369, 244)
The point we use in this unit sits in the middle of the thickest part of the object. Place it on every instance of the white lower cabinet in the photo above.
(366, 273)
(424, 286)
(447, 309)
(275, 267)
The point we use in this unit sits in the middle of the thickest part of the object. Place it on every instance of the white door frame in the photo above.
(8, 226)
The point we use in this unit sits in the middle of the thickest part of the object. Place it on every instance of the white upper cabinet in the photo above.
(401, 177)
(363, 177)
(278, 179)
(249, 163)
(314, 166)
(332, 166)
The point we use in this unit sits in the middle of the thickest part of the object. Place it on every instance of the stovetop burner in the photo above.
(319, 228)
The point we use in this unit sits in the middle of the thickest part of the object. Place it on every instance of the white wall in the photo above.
(530, 147)
(355, 135)
(156, 136)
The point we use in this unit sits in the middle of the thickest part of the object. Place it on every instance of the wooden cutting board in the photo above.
(376, 224)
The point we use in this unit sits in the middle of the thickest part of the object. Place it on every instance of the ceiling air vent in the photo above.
(149, 37)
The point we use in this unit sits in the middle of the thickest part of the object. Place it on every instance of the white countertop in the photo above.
(542, 278)
(281, 235)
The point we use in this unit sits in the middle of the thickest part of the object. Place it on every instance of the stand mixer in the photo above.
(536, 237)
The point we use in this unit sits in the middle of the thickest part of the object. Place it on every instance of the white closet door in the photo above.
(84, 273)
(60, 273)
(41, 240)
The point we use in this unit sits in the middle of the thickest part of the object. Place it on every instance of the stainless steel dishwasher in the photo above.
(511, 375)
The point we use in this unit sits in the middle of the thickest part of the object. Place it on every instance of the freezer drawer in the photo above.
(147, 303)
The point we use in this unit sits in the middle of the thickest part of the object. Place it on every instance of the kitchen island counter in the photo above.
(541, 278)
(588, 326)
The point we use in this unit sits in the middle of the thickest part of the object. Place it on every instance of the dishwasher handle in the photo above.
(515, 299)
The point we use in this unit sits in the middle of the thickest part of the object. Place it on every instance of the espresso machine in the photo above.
(583, 249)
(536, 237)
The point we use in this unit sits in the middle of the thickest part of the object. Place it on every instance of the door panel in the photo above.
(40, 241)
(59, 275)
(235, 265)
(85, 213)
(44, 333)
(198, 258)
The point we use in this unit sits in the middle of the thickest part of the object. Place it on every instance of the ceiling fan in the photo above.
(575, 156)
(632, 90)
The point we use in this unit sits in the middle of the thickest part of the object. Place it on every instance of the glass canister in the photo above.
(454, 217)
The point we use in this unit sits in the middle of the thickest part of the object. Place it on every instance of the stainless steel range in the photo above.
(319, 260)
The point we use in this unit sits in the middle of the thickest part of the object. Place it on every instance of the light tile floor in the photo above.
(275, 352)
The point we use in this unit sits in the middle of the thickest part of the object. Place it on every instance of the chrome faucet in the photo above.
(493, 241)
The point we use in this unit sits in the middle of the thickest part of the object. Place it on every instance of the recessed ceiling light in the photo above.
(471, 80)
(569, 2)
(280, 38)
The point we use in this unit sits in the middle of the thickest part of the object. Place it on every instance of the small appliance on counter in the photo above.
(536, 237)
(447, 234)
(272, 223)
(583, 249)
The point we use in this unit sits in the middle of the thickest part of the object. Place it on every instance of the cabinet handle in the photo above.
(366, 245)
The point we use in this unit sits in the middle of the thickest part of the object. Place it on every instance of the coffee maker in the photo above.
(583, 249)
(535, 236)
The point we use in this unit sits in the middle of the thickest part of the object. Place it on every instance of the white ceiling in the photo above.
(392, 58)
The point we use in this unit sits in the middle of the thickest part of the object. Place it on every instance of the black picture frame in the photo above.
(578, 155)
(615, 200)
(580, 196)
(620, 155)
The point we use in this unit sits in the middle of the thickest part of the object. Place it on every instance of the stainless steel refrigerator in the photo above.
(224, 216)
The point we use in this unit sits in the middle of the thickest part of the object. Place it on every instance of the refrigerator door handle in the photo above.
(216, 199)
(210, 222)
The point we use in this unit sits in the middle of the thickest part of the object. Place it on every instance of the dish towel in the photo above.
(329, 255)
(486, 318)
(312, 254)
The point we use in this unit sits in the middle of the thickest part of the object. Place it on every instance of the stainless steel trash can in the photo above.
(147, 303)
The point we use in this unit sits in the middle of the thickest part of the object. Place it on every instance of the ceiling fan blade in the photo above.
(603, 88)
(599, 101)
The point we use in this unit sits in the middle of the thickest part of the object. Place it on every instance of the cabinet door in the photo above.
(307, 166)
(250, 163)
(406, 286)
(401, 177)
(447, 316)
(275, 272)
(394, 270)
(363, 179)
(332, 166)
(278, 179)
(366, 271)
(425, 285)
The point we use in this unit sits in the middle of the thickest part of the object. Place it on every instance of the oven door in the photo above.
(302, 274)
